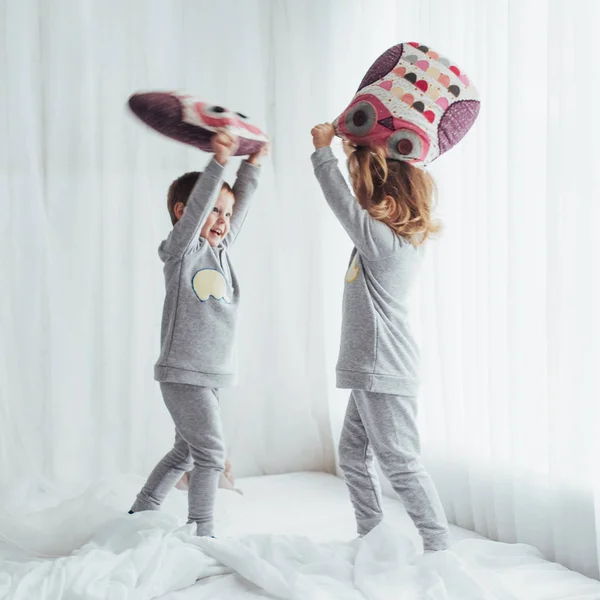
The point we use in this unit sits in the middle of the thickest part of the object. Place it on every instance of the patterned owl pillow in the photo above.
(189, 120)
(413, 101)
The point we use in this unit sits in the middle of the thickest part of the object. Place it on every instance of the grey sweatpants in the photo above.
(198, 448)
(384, 425)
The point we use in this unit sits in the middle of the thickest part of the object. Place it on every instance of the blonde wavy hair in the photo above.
(394, 192)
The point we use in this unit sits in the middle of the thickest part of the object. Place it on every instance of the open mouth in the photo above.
(218, 232)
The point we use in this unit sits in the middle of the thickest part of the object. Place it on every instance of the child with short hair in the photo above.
(198, 327)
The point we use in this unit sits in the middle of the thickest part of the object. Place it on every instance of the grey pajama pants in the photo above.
(198, 448)
(384, 425)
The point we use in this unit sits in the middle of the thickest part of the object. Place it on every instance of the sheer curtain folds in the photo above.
(506, 308)
(83, 190)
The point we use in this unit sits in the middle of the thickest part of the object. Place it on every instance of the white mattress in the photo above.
(288, 536)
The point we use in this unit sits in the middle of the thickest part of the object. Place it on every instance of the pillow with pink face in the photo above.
(414, 102)
(192, 121)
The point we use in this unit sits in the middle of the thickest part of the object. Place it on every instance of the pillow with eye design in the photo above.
(413, 101)
(189, 120)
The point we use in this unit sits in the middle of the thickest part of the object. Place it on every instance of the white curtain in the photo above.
(506, 309)
(83, 209)
(507, 306)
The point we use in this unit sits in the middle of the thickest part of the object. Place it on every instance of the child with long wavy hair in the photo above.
(388, 218)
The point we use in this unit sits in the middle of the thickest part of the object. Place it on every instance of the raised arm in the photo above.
(374, 239)
(243, 189)
(202, 199)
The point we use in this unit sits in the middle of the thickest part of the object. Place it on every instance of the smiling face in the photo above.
(217, 224)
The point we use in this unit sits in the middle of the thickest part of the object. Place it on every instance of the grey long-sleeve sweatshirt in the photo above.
(202, 291)
(377, 352)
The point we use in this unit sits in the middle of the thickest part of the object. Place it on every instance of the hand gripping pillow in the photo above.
(414, 101)
(187, 119)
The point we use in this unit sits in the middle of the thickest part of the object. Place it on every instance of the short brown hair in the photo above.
(181, 188)
(394, 192)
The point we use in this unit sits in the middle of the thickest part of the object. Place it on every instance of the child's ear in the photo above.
(178, 209)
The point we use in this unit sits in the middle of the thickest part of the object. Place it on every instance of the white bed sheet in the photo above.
(288, 536)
